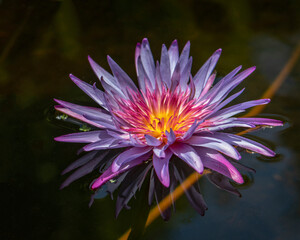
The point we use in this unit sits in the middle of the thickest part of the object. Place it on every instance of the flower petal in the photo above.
(83, 137)
(215, 144)
(128, 155)
(161, 166)
(120, 75)
(148, 61)
(245, 143)
(189, 133)
(108, 143)
(228, 84)
(84, 170)
(228, 112)
(77, 116)
(95, 94)
(188, 154)
(132, 182)
(215, 161)
(152, 141)
(205, 71)
(184, 56)
(214, 91)
(170, 136)
(262, 121)
(81, 161)
(165, 69)
(105, 77)
(88, 112)
(109, 174)
(173, 55)
(185, 74)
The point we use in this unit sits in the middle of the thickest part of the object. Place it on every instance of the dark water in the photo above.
(43, 41)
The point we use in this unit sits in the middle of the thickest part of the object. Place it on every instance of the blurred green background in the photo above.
(41, 42)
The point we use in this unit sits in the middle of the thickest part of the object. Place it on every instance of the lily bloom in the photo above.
(171, 114)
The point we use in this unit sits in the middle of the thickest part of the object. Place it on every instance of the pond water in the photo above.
(42, 42)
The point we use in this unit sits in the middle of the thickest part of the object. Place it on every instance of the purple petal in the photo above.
(142, 76)
(160, 151)
(184, 56)
(205, 71)
(120, 75)
(100, 72)
(165, 69)
(77, 116)
(185, 73)
(81, 161)
(108, 143)
(83, 137)
(175, 79)
(136, 56)
(134, 141)
(215, 144)
(214, 92)
(215, 161)
(93, 113)
(152, 141)
(173, 55)
(105, 78)
(170, 136)
(95, 94)
(262, 121)
(228, 84)
(229, 125)
(109, 174)
(188, 154)
(189, 133)
(208, 85)
(129, 155)
(238, 107)
(158, 79)
(228, 100)
(84, 170)
(161, 166)
(148, 61)
(245, 143)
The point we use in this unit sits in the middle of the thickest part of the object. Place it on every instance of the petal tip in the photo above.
(166, 183)
(145, 41)
(57, 139)
(174, 43)
(219, 51)
(239, 180)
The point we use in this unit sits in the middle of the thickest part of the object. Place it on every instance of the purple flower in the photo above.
(171, 114)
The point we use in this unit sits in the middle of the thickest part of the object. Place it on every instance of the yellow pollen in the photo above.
(163, 121)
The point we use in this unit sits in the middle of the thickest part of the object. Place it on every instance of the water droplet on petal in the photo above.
(85, 128)
(62, 117)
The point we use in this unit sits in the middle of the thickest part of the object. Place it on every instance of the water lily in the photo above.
(171, 114)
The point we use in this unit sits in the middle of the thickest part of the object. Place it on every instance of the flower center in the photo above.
(154, 113)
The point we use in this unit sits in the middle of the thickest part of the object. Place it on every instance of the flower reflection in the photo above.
(170, 126)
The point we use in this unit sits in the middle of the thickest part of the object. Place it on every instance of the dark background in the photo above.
(41, 42)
